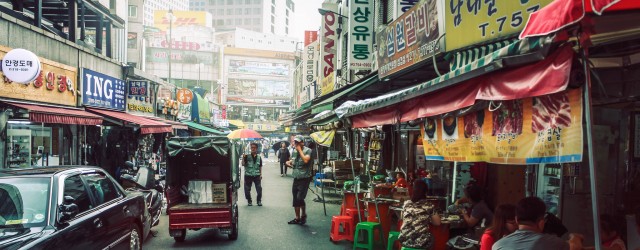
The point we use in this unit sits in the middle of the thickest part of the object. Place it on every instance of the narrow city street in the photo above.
(264, 227)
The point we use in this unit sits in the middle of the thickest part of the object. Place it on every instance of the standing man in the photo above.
(265, 148)
(283, 157)
(252, 173)
(301, 162)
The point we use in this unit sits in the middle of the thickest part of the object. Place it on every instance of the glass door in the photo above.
(549, 186)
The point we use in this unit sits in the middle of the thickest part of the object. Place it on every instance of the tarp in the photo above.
(324, 138)
(177, 145)
(544, 77)
(200, 127)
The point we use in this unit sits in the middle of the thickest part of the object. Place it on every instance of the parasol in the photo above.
(277, 146)
(244, 133)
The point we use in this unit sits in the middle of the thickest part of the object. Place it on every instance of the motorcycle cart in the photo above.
(202, 159)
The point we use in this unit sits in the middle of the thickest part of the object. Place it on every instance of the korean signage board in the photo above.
(20, 66)
(360, 34)
(410, 39)
(328, 47)
(259, 88)
(161, 55)
(102, 91)
(161, 19)
(229, 51)
(263, 126)
(404, 6)
(310, 36)
(55, 84)
(140, 98)
(258, 68)
(470, 22)
(545, 129)
(310, 62)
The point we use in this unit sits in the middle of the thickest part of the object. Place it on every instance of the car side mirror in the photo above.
(68, 209)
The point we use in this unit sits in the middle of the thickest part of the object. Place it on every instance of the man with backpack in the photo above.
(252, 173)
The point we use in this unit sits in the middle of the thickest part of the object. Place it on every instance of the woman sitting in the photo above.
(418, 215)
(479, 210)
(504, 223)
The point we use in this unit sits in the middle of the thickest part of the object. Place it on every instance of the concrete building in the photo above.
(248, 39)
(266, 16)
(152, 5)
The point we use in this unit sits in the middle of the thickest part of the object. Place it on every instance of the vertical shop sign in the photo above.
(310, 61)
(410, 39)
(360, 34)
(102, 91)
(470, 22)
(310, 36)
(328, 47)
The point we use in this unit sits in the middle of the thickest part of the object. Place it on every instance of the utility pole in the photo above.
(170, 15)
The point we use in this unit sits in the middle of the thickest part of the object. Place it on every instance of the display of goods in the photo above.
(507, 118)
(551, 112)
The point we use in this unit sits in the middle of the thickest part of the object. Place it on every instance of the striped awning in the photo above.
(494, 61)
(469, 56)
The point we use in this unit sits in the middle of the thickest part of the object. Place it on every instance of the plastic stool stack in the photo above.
(373, 236)
(344, 222)
(393, 237)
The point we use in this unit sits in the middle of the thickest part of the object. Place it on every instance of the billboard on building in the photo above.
(258, 88)
(181, 18)
(328, 47)
(229, 51)
(161, 55)
(258, 68)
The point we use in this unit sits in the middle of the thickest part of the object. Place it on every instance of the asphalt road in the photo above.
(264, 227)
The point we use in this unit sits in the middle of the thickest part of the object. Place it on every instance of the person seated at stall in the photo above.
(418, 215)
(401, 182)
(504, 223)
(609, 234)
(479, 210)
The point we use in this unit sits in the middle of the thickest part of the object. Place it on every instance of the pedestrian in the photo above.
(252, 173)
(301, 161)
(265, 148)
(530, 216)
(283, 156)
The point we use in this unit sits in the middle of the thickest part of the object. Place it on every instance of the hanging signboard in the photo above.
(410, 39)
(140, 98)
(20, 66)
(360, 34)
(102, 91)
(546, 129)
(310, 36)
(184, 96)
(328, 48)
(310, 72)
(55, 83)
(472, 22)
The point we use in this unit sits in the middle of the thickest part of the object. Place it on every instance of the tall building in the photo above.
(152, 5)
(266, 16)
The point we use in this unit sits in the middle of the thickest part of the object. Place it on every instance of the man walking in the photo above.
(252, 173)
(283, 157)
(301, 162)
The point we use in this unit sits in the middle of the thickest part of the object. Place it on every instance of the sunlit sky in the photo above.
(307, 17)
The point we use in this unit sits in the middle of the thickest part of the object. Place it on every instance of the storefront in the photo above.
(40, 122)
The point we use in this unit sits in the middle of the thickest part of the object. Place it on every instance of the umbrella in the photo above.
(244, 133)
(277, 146)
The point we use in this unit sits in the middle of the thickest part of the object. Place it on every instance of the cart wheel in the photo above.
(234, 226)
(182, 237)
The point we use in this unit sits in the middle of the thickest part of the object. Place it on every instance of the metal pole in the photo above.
(170, 41)
(592, 164)
(353, 171)
(453, 187)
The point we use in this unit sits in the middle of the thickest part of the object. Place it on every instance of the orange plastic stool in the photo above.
(346, 222)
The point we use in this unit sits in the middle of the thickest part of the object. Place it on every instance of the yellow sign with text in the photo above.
(56, 84)
(328, 84)
(470, 22)
(546, 129)
(181, 18)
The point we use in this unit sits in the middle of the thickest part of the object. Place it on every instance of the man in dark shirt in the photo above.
(283, 157)
(479, 210)
(530, 216)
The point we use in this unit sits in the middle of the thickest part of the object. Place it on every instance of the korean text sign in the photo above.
(102, 91)
(360, 34)
(545, 129)
(140, 98)
(471, 22)
(410, 39)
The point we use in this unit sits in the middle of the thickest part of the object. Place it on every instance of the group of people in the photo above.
(518, 226)
(299, 158)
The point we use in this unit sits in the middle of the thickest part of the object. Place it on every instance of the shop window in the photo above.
(30, 145)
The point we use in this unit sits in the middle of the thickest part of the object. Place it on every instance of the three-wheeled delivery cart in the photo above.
(202, 181)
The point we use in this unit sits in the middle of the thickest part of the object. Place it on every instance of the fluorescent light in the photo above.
(19, 122)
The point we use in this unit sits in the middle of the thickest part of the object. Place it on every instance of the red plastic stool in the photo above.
(347, 228)
(353, 212)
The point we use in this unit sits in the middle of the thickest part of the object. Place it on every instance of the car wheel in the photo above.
(234, 226)
(135, 242)
(181, 237)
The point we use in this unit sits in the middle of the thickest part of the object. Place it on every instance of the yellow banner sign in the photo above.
(328, 84)
(546, 129)
(470, 22)
(181, 18)
(56, 83)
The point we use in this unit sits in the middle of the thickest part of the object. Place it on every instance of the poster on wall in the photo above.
(545, 129)
(410, 39)
(474, 22)
(102, 91)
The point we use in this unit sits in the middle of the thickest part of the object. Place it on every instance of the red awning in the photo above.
(562, 13)
(147, 126)
(548, 76)
(46, 114)
(174, 124)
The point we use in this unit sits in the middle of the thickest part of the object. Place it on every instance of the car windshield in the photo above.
(23, 202)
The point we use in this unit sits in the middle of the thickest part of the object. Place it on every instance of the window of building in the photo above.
(257, 1)
(220, 2)
(133, 11)
(273, 2)
(220, 12)
(229, 12)
(256, 21)
(287, 12)
(286, 21)
(238, 21)
(247, 11)
(247, 2)
(229, 2)
(220, 22)
(229, 22)
(257, 11)
(273, 29)
(286, 30)
(247, 21)
(238, 11)
(273, 19)
(273, 10)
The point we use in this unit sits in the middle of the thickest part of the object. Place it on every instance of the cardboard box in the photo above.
(219, 193)
(200, 191)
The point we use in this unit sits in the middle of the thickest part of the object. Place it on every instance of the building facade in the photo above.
(152, 5)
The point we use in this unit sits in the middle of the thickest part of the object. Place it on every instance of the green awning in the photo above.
(328, 104)
(517, 53)
(200, 127)
(323, 119)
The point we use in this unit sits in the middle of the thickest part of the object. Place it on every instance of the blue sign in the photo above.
(102, 91)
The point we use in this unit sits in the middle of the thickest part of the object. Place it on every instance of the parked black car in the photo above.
(67, 208)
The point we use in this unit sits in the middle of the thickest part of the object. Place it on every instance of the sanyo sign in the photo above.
(103, 91)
